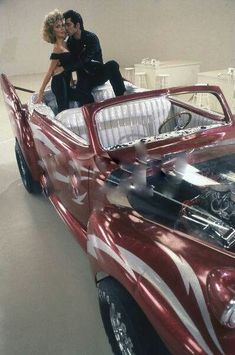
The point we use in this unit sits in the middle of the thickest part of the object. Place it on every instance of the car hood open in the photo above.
(193, 192)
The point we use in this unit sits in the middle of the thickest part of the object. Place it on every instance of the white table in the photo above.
(178, 73)
(225, 81)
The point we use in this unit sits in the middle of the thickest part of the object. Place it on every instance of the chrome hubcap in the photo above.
(119, 328)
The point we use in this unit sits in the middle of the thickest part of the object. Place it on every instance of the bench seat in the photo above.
(136, 119)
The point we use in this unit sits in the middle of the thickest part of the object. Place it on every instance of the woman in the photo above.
(54, 32)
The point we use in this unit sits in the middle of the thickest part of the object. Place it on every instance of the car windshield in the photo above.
(204, 101)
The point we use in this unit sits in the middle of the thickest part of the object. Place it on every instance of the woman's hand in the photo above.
(39, 99)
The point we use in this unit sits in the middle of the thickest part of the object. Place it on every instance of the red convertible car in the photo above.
(146, 183)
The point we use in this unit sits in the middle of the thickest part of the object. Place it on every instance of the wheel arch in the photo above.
(101, 275)
(138, 321)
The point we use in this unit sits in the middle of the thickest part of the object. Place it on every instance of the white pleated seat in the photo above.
(104, 92)
(100, 93)
(73, 120)
(132, 120)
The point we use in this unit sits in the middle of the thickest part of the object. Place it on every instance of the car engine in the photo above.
(211, 215)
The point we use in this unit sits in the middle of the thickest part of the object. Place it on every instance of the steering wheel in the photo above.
(178, 122)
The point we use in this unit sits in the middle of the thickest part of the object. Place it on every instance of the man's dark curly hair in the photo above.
(75, 17)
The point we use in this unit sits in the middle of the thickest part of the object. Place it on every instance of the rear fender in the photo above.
(19, 115)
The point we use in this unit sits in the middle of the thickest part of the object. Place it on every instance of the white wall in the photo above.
(129, 30)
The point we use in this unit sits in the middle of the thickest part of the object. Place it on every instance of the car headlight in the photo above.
(228, 316)
(221, 294)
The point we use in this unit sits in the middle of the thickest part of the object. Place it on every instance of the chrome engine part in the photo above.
(211, 216)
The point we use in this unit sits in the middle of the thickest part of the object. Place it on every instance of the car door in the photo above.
(66, 159)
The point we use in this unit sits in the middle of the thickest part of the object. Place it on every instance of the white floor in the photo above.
(48, 300)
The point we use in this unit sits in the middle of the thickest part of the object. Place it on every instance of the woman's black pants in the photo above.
(60, 87)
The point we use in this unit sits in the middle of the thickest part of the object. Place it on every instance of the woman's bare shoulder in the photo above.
(59, 49)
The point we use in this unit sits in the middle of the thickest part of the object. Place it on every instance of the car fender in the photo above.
(118, 247)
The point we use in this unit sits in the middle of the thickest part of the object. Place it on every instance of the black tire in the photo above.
(128, 330)
(30, 184)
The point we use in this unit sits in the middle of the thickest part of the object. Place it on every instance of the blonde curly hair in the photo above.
(47, 29)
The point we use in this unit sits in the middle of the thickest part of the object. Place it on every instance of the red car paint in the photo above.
(181, 282)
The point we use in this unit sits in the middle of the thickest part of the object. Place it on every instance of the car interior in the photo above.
(124, 123)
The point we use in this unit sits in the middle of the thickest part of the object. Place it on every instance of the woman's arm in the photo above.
(53, 65)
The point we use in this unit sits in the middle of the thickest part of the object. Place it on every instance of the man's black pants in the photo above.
(87, 80)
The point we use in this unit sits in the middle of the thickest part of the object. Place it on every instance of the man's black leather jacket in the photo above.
(86, 53)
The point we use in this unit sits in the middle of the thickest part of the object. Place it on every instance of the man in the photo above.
(87, 60)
